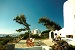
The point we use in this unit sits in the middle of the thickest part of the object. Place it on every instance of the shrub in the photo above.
(2, 47)
(63, 44)
(71, 47)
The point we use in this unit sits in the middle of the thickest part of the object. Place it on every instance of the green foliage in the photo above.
(71, 47)
(45, 34)
(22, 20)
(21, 35)
(61, 42)
(46, 31)
(11, 39)
(2, 47)
(36, 36)
(51, 25)
(64, 44)
(4, 41)
(25, 35)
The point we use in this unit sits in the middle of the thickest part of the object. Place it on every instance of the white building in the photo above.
(68, 32)
(36, 31)
(69, 21)
(53, 34)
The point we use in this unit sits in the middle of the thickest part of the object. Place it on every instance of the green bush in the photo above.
(60, 44)
(2, 47)
(63, 44)
(1, 42)
(71, 47)
(4, 41)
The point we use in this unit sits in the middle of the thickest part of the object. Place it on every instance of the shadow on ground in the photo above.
(32, 48)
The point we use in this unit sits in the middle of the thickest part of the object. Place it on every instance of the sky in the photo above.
(33, 11)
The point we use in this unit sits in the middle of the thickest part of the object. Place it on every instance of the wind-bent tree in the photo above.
(22, 20)
(49, 24)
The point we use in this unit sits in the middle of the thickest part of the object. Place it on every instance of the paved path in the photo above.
(48, 42)
(21, 45)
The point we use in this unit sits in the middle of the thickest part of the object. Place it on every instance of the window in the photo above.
(55, 33)
(52, 34)
(69, 36)
(74, 16)
(60, 34)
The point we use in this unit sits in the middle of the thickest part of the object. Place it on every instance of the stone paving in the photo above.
(48, 42)
(21, 45)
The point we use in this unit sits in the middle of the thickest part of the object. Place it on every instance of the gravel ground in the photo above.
(22, 45)
(48, 42)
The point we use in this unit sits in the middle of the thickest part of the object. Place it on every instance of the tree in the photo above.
(45, 33)
(49, 24)
(25, 35)
(22, 20)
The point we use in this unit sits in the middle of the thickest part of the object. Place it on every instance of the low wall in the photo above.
(10, 46)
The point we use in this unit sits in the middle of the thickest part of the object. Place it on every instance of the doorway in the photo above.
(52, 34)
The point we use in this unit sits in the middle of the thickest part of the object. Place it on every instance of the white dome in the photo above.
(36, 29)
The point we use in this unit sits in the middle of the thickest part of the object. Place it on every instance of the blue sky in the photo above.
(32, 9)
